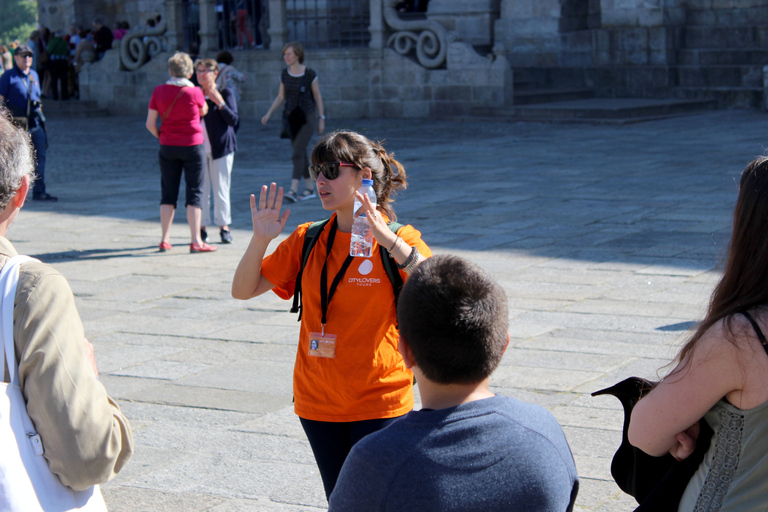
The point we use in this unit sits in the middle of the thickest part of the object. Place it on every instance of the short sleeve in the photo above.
(153, 101)
(412, 237)
(199, 97)
(282, 266)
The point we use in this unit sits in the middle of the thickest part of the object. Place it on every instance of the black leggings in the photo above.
(331, 443)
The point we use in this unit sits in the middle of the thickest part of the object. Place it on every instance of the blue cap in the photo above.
(367, 182)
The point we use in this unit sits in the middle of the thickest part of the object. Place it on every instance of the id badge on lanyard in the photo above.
(323, 344)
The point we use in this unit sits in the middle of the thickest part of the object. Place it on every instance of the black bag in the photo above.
(657, 483)
(293, 123)
(285, 132)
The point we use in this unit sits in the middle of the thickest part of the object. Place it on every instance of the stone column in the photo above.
(376, 27)
(208, 27)
(175, 33)
(278, 28)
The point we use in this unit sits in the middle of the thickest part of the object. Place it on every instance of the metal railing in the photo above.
(328, 23)
(242, 24)
(190, 10)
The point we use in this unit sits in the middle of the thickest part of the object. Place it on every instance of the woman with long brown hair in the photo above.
(349, 379)
(722, 374)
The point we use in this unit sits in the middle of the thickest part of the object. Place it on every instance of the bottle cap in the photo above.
(367, 182)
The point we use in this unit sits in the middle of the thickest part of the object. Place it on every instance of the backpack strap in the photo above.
(310, 239)
(390, 266)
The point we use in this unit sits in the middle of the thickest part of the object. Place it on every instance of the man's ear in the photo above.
(405, 351)
(21, 194)
(366, 172)
(506, 346)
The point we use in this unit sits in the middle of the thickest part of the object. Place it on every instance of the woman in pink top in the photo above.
(180, 105)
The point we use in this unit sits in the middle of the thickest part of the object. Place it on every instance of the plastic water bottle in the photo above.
(361, 243)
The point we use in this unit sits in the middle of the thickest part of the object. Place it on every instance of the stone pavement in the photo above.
(606, 240)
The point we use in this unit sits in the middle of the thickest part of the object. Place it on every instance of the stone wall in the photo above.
(359, 83)
(529, 31)
(472, 21)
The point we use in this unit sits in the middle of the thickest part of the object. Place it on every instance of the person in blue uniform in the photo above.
(20, 92)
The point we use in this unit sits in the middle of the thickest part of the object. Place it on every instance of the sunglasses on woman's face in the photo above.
(330, 170)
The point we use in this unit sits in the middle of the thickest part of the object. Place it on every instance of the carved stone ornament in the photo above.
(135, 51)
(430, 37)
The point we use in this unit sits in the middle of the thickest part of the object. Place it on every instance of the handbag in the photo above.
(26, 482)
(657, 483)
(285, 131)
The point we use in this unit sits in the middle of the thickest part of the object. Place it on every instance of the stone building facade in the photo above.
(459, 57)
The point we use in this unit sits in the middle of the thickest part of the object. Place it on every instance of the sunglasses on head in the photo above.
(330, 170)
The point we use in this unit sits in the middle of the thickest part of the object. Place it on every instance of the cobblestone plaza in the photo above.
(607, 240)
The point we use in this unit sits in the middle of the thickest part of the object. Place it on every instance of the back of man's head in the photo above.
(16, 158)
(453, 317)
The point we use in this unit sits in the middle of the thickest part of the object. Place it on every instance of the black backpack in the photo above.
(310, 238)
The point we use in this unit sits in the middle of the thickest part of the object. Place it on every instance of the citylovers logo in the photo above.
(364, 269)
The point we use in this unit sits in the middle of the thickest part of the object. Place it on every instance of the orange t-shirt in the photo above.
(367, 378)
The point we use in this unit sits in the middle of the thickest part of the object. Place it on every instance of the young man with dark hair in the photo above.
(467, 449)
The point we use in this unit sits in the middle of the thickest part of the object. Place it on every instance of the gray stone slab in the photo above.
(273, 377)
(164, 370)
(530, 357)
(210, 398)
(130, 499)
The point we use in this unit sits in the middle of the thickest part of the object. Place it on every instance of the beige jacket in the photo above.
(86, 438)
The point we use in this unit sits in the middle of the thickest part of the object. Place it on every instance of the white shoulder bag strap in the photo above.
(26, 482)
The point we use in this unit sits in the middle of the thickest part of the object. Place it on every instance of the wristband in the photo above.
(322, 117)
(397, 239)
(408, 263)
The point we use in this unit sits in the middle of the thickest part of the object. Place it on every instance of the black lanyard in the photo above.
(325, 294)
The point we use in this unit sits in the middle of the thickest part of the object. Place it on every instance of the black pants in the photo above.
(178, 160)
(331, 443)
(59, 75)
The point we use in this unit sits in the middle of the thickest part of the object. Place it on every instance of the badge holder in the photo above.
(322, 344)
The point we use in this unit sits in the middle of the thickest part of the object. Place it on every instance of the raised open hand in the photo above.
(268, 222)
(381, 231)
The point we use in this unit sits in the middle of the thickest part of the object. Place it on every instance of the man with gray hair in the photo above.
(86, 438)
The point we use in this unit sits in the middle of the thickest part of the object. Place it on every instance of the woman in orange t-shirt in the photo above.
(349, 379)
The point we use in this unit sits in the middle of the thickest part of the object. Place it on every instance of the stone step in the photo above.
(727, 17)
(734, 36)
(718, 76)
(537, 96)
(73, 108)
(731, 97)
(721, 57)
(601, 110)
(547, 77)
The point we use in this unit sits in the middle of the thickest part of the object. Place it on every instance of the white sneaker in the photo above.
(307, 194)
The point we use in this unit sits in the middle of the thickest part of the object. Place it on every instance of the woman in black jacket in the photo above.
(220, 124)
